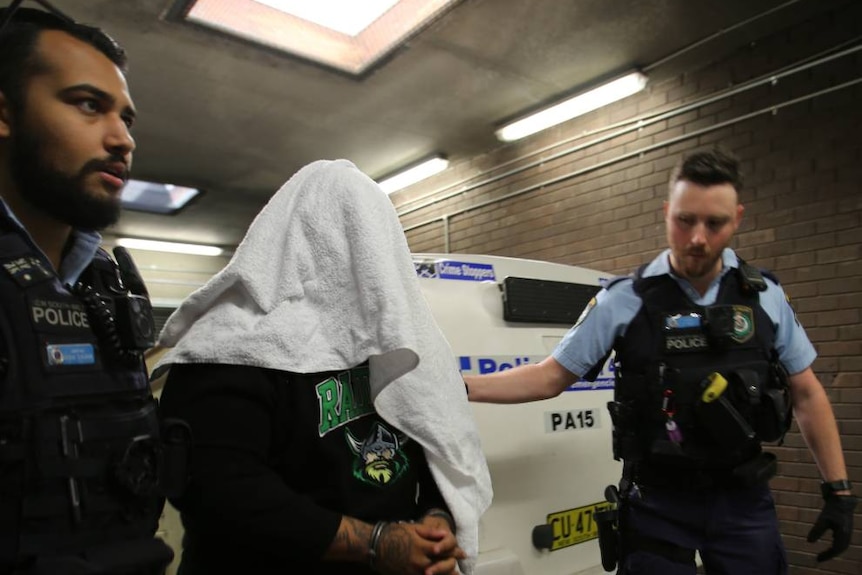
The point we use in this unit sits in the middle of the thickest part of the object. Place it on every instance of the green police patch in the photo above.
(743, 324)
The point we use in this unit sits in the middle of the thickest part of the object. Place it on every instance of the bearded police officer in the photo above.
(80, 447)
(710, 362)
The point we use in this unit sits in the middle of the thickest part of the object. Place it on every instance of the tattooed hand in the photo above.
(427, 548)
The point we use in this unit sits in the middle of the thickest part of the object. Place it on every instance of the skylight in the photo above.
(156, 198)
(346, 16)
(348, 35)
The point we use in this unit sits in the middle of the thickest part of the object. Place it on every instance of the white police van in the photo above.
(549, 460)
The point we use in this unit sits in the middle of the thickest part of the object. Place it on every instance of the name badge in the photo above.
(683, 321)
(70, 354)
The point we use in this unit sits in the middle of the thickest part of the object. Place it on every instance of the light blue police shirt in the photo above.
(83, 247)
(594, 333)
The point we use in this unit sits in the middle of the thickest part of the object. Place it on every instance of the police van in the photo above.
(549, 460)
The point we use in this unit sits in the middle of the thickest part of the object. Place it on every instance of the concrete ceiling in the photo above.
(237, 120)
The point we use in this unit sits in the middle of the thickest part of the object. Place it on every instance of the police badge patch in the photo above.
(743, 324)
(587, 308)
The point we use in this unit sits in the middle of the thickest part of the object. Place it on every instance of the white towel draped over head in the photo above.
(323, 280)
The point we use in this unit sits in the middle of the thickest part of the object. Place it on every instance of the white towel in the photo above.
(323, 280)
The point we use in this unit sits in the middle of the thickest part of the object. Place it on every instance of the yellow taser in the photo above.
(716, 384)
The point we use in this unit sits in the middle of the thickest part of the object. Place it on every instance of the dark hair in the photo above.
(18, 60)
(707, 168)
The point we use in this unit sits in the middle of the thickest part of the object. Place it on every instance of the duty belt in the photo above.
(755, 471)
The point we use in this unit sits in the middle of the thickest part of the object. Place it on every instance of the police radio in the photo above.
(118, 306)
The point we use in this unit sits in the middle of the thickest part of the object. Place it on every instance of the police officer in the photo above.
(79, 437)
(710, 362)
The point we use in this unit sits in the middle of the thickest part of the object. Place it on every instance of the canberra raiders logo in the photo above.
(379, 457)
(743, 324)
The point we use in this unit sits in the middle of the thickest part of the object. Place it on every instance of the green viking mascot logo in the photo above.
(379, 457)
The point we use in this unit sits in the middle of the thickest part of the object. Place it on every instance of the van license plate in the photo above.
(574, 526)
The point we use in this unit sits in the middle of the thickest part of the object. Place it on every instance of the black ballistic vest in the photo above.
(670, 354)
(79, 430)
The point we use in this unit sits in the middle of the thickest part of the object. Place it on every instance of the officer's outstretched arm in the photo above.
(529, 382)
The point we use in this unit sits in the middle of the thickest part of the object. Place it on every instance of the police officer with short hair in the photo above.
(81, 458)
(710, 361)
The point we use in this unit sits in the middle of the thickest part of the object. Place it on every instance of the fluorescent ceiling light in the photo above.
(172, 247)
(414, 174)
(156, 198)
(573, 107)
(346, 16)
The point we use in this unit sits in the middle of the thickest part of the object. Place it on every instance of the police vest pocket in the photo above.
(776, 415)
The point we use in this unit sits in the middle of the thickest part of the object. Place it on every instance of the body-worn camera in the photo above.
(133, 312)
(135, 325)
(718, 324)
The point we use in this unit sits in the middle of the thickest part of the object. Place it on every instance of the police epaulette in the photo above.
(643, 284)
(617, 279)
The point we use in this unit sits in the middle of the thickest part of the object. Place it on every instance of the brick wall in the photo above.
(581, 195)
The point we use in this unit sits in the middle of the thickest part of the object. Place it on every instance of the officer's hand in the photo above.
(837, 515)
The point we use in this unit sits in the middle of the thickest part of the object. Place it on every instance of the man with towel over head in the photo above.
(332, 432)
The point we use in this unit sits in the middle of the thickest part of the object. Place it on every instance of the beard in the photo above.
(697, 267)
(56, 194)
(380, 473)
